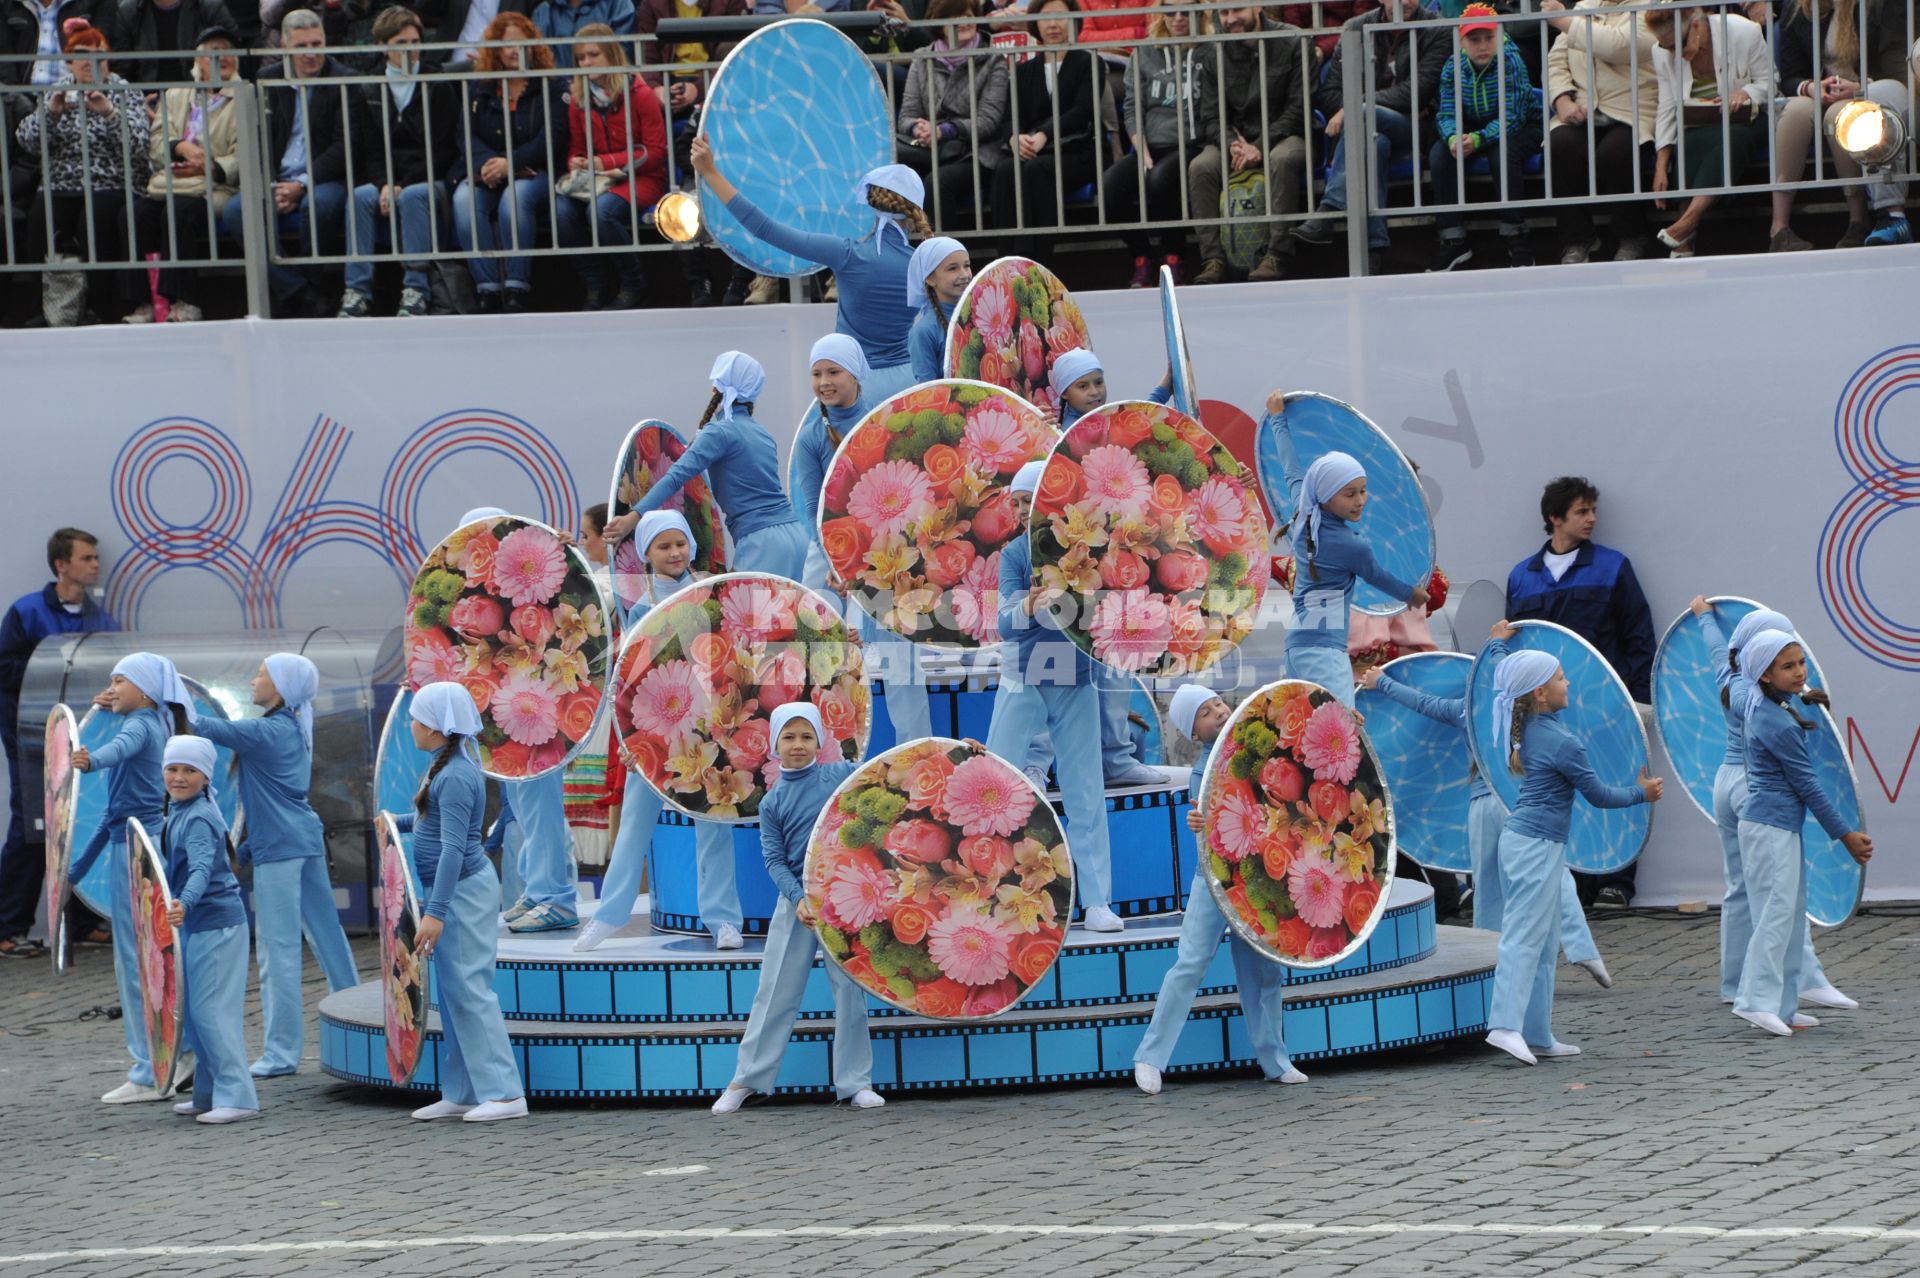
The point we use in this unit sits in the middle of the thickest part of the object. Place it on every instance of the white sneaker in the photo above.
(592, 934)
(1802, 1021)
(1597, 968)
(867, 1098)
(1102, 919)
(1146, 1078)
(183, 313)
(187, 1109)
(441, 1109)
(141, 314)
(215, 1117)
(1513, 1045)
(1766, 1021)
(496, 1111)
(1554, 1050)
(1288, 1075)
(131, 1093)
(727, 938)
(732, 1099)
(1827, 996)
(1038, 775)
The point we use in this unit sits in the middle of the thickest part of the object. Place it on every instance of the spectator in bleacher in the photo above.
(1114, 22)
(1232, 72)
(402, 152)
(1870, 62)
(1321, 14)
(955, 104)
(95, 137)
(1162, 121)
(617, 154)
(515, 131)
(1716, 81)
(153, 26)
(566, 21)
(40, 26)
(675, 74)
(464, 21)
(1047, 148)
(1487, 108)
(1404, 90)
(1600, 78)
(194, 152)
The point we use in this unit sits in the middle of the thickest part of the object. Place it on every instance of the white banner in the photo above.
(1745, 441)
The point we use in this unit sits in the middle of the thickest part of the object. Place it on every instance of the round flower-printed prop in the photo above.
(506, 608)
(1148, 541)
(403, 973)
(62, 798)
(1015, 319)
(940, 880)
(162, 964)
(1298, 826)
(701, 674)
(651, 447)
(917, 505)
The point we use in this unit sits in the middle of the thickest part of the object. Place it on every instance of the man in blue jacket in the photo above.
(1591, 590)
(63, 606)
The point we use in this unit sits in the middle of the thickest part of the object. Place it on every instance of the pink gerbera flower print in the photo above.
(994, 312)
(435, 659)
(985, 796)
(1117, 481)
(1237, 826)
(889, 497)
(526, 709)
(994, 441)
(1318, 891)
(1331, 743)
(755, 612)
(971, 946)
(529, 567)
(1218, 516)
(1131, 629)
(668, 700)
(861, 892)
(976, 600)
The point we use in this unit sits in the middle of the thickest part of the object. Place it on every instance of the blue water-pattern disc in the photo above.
(1693, 729)
(1602, 715)
(398, 764)
(796, 117)
(1396, 523)
(1186, 394)
(1426, 764)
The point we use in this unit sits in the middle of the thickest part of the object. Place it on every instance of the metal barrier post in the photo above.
(253, 212)
(1357, 124)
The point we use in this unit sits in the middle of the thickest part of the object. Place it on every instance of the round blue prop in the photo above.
(1397, 523)
(1425, 761)
(398, 764)
(1602, 715)
(1150, 742)
(796, 118)
(1186, 395)
(1693, 728)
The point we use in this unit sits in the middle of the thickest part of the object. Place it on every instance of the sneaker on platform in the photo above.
(1038, 775)
(1136, 774)
(354, 305)
(1142, 274)
(545, 917)
(496, 1111)
(727, 937)
(441, 1109)
(514, 911)
(1892, 229)
(1102, 919)
(413, 304)
(592, 935)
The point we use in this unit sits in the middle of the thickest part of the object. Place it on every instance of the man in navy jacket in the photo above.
(1591, 590)
(62, 607)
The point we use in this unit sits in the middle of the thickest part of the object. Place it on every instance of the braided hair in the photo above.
(893, 202)
(1522, 711)
(713, 406)
(441, 759)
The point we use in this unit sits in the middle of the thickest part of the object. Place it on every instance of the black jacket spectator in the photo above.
(329, 118)
(143, 26)
(1235, 65)
(421, 137)
(534, 140)
(445, 20)
(20, 34)
(1883, 42)
(1394, 73)
(657, 56)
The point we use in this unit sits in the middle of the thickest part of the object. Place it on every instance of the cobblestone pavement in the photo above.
(1682, 1142)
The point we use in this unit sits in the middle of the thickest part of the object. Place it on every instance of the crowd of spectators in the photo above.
(1024, 118)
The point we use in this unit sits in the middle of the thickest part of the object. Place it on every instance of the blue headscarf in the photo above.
(1329, 473)
(297, 680)
(197, 753)
(737, 376)
(1027, 478)
(447, 708)
(155, 676)
(655, 522)
(784, 714)
(927, 259)
(1073, 366)
(903, 182)
(1758, 656)
(844, 351)
(1518, 674)
(1749, 626)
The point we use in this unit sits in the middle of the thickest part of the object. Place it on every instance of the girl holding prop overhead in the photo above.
(1329, 555)
(667, 544)
(1781, 790)
(937, 278)
(1531, 857)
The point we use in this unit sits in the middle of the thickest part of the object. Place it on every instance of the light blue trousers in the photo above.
(1116, 734)
(1530, 873)
(891, 660)
(292, 898)
(476, 1059)
(1486, 819)
(719, 895)
(1070, 712)
(791, 946)
(1261, 982)
(884, 383)
(1328, 667)
(1736, 911)
(215, 999)
(780, 550)
(110, 841)
(1770, 979)
(543, 861)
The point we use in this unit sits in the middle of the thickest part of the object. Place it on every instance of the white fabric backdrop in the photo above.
(274, 468)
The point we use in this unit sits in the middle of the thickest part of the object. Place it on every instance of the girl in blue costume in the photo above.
(479, 1081)
(786, 824)
(1199, 715)
(1329, 556)
(1487, 817)
(153, 703)
(867, 271)
(288, 847)
(937, 278)
(1781, 790)
(1531, 858)
(742, 463)
(1730, 801)
(212, 926)
(668, 546)
(839, 372)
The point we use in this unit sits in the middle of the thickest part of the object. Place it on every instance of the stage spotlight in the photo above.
(1869, 133)
(677, 217)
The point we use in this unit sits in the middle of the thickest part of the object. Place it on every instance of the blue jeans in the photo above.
(1736, 909)
(1392, 138)
(418, 211)
(291, 897)
(1261, 982)
(484, 220)
(316, 223)
(476, 1057)
(215, 998)
(784, 968)
(1531, 871)
(544, 860)
(1506, 164)
(613, 214)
